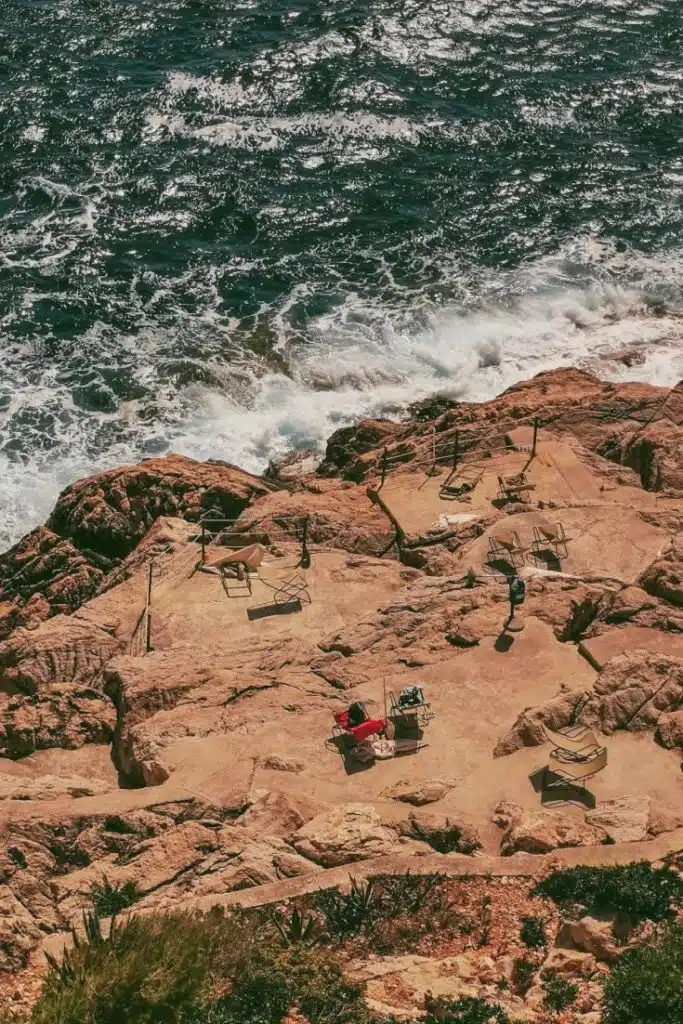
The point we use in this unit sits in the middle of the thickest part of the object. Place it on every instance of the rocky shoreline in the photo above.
(206, 765)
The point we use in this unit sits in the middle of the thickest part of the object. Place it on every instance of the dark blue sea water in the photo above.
(227, 229)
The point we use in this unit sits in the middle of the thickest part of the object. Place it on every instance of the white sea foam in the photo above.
(578, 307)
(354, 363)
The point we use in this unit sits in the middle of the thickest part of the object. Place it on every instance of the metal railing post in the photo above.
(385, 459)
(148, 642)
(203, 542)
(533, 443)
(305, 561)
(455, 450)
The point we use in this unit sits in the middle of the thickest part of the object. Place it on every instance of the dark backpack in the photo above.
(356, 715)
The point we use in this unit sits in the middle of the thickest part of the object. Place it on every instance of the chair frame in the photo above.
(543, 543)
(565, 775)
(340, 731)
(295, 588)
(579, 747)
(423, 710)
(514, 486)
(498, 551)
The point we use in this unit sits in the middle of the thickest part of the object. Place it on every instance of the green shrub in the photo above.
(152, 970)
(186, 969)
(400, 894)
(408, 907)
(532, 933)
(347, 913)
(646, 984)
(523, 971)
(558, 993)
(296, 927)
(463, 1011)
(257, 1000)
(639, 890)
(109, 900)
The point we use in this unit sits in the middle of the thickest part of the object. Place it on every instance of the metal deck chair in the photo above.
(507, 547)
(578, 744)
(514, 486)
(459, 484)
(233, 585)
(294, 588)
(423, 709)
(553, 536)
(571, 772)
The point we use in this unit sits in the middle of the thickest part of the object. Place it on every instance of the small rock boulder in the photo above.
(569, 963)
(419, 792)
(628, 603)
(276, 814)
(670, 730)
(65, 649)
(277, 763)
(440, 832)
(343, 835)
(633, 690)
(49, 787)
(589, 935)
(625, 820)
(664, 577)
(528, 729)
(543, 831)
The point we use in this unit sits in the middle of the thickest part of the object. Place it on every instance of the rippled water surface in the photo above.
(226, 229)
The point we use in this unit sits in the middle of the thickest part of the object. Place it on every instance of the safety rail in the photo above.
(451, 448)
(215, 527)
(141, 637)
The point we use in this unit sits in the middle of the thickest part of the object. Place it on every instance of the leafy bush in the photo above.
(558, 993)
(408, 907)
(188, 969)
(347, 913)
(639, 890)
(296, 927)
(144, 969)
(411, 893)
(484, 921)
(523, 971)
(109, 900)
(646, 984)
(259, 999)
(470, 578)
(463, 1011)
(532, 933)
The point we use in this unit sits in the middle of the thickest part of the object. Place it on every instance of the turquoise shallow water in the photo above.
(228, 229)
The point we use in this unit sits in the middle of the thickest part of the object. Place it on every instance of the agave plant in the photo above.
(411, 893)
(71, 968)
(296, 928)
(348, 913)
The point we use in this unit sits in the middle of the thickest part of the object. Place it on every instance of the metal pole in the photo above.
(149, 607)
(203, 542)
(384, 466)
(455, 450)
(434, 445)
(533, 444)
(305, 562)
